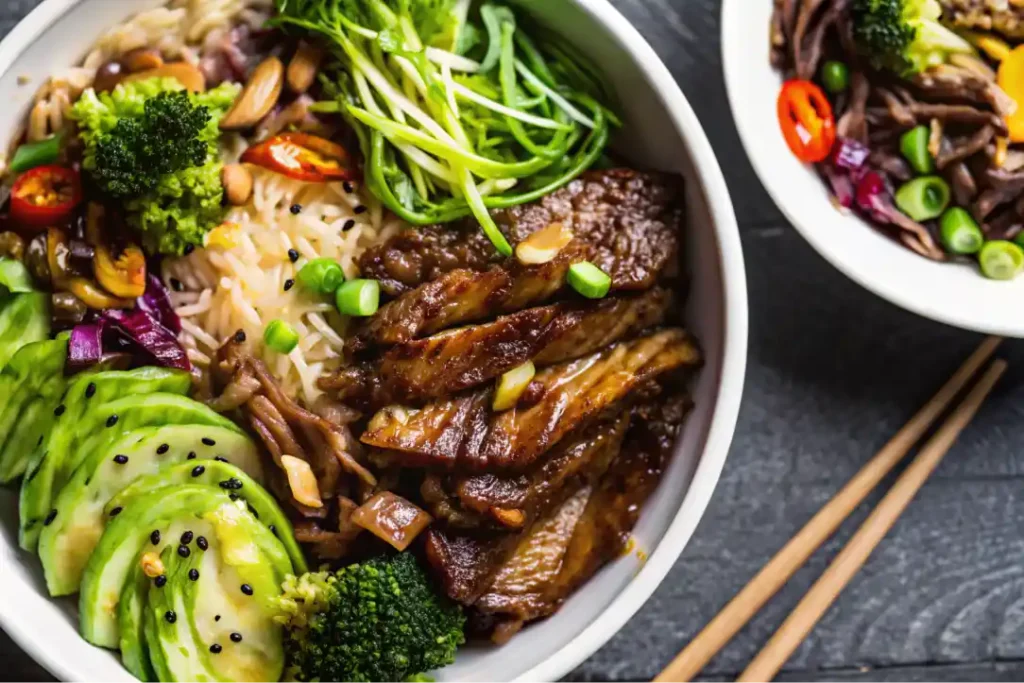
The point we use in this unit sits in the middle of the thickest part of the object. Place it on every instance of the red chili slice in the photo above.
(807, 121)
(45, 196)
(303, 157)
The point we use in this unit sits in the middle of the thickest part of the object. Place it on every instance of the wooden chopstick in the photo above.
(856, 552)
(796, 552)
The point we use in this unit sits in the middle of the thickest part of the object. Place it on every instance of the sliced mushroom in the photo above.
(237, 181)
(183, 72)
(303, 67)
(108, 76)
(258, 96)
(123, 275)
(142, 59)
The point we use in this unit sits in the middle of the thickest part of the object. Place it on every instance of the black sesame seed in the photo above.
(50, 517)
(183, 551)
(349, 187)
(349, 224)
(191, 456)
(163, 449)
(288, 284)
(207, 441)
(193, 574)
(198, 470)
(90, 390)
(231, 484)
(112, 420)
(176, 284)
(296, 209)
(217, 618)
(121, 459)
(154, 537)
(40, 442)
(160, 581)
(273, 529)
(360, 209)
(59, 410)
(252, 511)
(216, 649)
(236, 637)
(189, 248)
(293, 255)
(187, 537)
(221, 458)
(170, 616)
(234, 496)
(116, 511)
(202, 543)
(240, 337)
(246, 589)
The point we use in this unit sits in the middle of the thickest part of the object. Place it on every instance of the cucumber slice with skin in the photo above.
(169, 512)
(130, 620)
(25, 318)
(53, 461)
(213, 473)
(66, 544)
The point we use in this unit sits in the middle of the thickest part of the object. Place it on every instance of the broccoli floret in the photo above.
(379, 620)
(904, 36)
(131, 159)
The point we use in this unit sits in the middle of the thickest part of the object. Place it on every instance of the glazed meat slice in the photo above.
(630, 219)
(455, 360)
(463, 433)
(568, 547)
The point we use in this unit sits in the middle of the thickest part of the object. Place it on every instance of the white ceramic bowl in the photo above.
(951, 293)
(663, 132)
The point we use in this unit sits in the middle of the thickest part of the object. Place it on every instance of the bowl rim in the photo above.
(724, 413)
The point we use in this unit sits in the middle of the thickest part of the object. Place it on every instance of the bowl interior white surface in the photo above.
(956, 294)
(661, 132)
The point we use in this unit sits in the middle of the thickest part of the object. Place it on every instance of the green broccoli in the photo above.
(165, 139)
(375, 621)
(904, 36)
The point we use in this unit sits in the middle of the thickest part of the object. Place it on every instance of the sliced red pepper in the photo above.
(45, 196)
(807, 121)
(303, 157)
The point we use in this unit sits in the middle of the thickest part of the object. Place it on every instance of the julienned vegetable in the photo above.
(321, 276)
(154, 147)
(32, 154)
(303, 157)
(960, 233)
(914, 147)
(805, 116)
(904, 36)
(589, 280)
(359, 298)
(378, 620)
(280, 336)
(457, 110)
(923, 198)
(1001, 260)
(44, 196)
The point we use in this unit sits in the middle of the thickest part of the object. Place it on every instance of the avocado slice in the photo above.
(164, 515)
(25, 318)
(66, 544)
(35, 375)
(52, 462)
(213, 473)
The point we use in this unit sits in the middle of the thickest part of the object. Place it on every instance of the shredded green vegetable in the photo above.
(460, 107)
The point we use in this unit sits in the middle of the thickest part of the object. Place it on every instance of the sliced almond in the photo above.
(258, 96)
(189, 76)
(303, 67)
(543, 245)
(302, 481)
(237, 181)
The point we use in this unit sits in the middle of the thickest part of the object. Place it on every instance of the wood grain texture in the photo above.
(833, 373)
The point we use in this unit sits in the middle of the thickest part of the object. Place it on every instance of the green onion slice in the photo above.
(359, 298)
(1001, 260)
(923, 198)
(33, 154)
(280, 336)
(960, 233)
(914, 146)
(589, 280)
(322, 276)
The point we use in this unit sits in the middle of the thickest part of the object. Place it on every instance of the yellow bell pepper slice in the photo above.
(1011, 80)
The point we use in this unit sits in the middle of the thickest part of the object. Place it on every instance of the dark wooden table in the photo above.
(833, 372)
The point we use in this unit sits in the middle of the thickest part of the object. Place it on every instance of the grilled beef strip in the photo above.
(630, 219)
(554, 559)
(463, 433)
(456, 360)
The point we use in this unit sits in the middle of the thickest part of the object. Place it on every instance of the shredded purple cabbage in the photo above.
(149, 337)
(157, 302)
(850, 154)
(85, 347)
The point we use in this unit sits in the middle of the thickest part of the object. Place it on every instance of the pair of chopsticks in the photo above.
(852, 557)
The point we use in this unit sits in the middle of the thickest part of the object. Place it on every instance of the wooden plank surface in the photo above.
(833, 372)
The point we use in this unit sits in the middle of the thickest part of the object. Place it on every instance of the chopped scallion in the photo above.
(322, 276)
(589, 280)
(923, 198)
(280, 336)
(33, 154)
(960, 233)
(511, 386)
(1001, 260)
(914, 146)
(360, 298)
